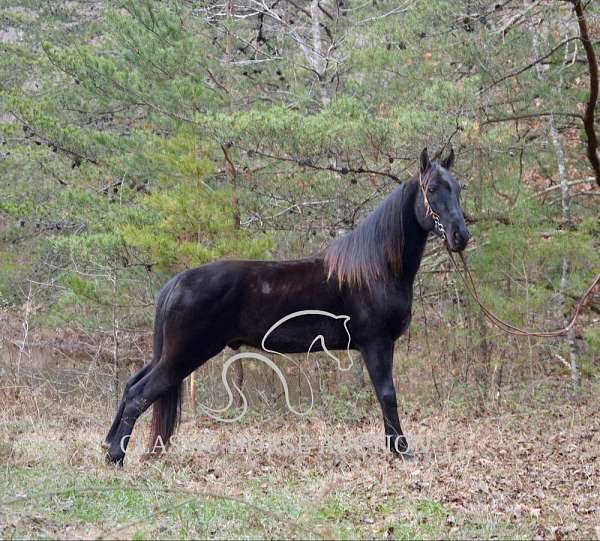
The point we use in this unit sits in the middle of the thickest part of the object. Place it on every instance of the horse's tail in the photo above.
(166, 410)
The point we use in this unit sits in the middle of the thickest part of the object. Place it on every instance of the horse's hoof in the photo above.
(116, 461)
(408, 456)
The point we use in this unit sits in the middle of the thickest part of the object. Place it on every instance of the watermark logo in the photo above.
(218, 413)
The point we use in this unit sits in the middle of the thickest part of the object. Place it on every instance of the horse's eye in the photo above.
(431, 189)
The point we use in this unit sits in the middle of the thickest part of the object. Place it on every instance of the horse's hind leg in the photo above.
(137, 400)
(162, 384)
(130, 383)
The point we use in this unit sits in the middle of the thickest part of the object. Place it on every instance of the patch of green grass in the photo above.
(100, 498)
(400, 518)
(348, 404)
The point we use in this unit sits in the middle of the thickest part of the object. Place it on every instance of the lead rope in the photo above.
(509, 328)
(467, 278)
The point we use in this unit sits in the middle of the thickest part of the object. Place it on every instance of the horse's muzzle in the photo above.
(458, 238)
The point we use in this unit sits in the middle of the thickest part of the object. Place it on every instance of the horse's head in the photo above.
(438, 202)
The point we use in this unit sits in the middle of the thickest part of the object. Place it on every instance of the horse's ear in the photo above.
(448, 161)
(425, 163)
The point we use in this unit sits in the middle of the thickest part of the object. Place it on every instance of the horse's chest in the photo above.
(390, 315)
(398, 318)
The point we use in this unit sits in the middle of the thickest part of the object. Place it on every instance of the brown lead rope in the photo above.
(507, 327)
(467, 278)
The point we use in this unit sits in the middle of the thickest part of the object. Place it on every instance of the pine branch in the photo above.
(305, 162)
(77, 156)
(524, 116)
(528, 66)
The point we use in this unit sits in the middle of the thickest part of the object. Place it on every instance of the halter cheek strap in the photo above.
(437, 224)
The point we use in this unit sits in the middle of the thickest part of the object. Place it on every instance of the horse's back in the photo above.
(228, 287)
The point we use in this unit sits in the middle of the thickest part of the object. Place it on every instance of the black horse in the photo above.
(367, 275)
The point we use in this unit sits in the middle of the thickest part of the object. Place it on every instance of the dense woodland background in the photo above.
(142, 138)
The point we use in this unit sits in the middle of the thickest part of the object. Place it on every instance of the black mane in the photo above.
(374, 249)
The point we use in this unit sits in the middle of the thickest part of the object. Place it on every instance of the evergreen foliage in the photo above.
(140, 138)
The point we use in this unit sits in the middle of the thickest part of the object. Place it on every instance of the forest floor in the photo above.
(527, 474)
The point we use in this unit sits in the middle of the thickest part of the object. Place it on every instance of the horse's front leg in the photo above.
(379, 358)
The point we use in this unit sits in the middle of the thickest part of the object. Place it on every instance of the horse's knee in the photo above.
(388, 398)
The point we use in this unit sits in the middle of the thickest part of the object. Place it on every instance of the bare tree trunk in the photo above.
(359, 376)
(482, 364)
(590, 106)
(566, 216)
(193, 393)
(562, 172)
(23, 348)
(570, 338)
(565, 270)
(232, 177)
(238, 378)
(115, 329)
(317, 59)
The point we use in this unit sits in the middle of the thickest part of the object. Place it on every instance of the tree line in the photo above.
(142, 138)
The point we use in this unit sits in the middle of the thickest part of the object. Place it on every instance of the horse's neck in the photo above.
(415, 238)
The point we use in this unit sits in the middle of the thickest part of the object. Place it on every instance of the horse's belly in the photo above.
(304, 333)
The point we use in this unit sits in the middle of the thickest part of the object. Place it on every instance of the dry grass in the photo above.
(533, 474)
